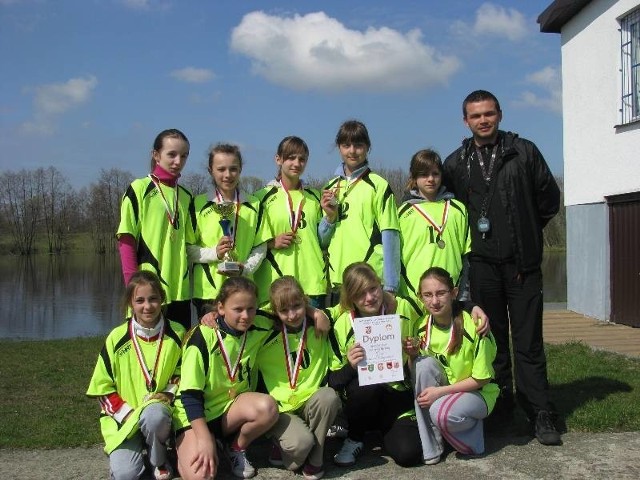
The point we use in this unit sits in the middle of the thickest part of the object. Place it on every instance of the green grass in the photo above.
(43, 403)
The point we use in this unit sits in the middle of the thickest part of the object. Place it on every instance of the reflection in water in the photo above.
(46, 297)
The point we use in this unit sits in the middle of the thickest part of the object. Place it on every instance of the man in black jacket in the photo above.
(511, 195)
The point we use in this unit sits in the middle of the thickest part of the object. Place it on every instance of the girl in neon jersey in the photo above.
(434, 228)
(453, 372)
(211, 245)
(384, 407)
(293, 365)
(289, 216)
(214, 402)
(135, 380)
(156, 224)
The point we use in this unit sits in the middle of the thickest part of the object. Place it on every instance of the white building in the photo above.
(601, 116)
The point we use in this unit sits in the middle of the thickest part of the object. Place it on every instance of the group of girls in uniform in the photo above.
(259, 362)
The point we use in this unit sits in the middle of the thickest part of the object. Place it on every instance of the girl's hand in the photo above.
(321, 323)
(355, 355)
(205, 461)
(225, 244)
(411, 347)
(209, 320)
(162, 396)
(481, 320)
(329, 204)
(284, 240)
(429, 395)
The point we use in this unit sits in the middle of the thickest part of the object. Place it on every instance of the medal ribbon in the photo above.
(427, 335)
(148, 375)
(231, 372)
(445, 216)
(352, 183)
(171, 216)
(294, 370)
(236, 201)
(295, 214)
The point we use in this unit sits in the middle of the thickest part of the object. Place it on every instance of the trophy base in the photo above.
(226, 267)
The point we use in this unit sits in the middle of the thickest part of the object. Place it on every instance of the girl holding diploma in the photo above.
(385, 407)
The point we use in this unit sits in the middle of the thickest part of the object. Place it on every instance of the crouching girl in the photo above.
(135, 379)
(453, 372)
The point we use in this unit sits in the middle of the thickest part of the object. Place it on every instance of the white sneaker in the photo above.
(163, 472)
(240, 465)
(337, 431)
(431, 461)
(348, 453)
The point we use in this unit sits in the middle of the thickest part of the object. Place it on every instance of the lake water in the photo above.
(49, 297)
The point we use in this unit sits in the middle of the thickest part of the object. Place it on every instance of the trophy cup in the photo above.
(228, 265)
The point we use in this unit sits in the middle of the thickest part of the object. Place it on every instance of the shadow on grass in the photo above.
(570, 397)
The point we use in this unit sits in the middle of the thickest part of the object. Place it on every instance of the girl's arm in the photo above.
(256, 256)
(391, 263)
(128, 258)
(431, 394)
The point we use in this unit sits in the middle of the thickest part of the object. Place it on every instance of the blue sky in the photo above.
(87, 84)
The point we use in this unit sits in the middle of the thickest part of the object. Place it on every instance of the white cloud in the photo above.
(549, 82)
(53, 100)
(193, 75)
(316, 52)
(495, 21)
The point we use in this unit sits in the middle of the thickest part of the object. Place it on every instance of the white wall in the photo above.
(588, 280)
(599, 159)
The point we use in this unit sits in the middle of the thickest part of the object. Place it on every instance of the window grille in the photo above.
(630, 51)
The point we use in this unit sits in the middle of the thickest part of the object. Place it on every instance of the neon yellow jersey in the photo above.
(312, 372)
(161, 248)
(206, 279)
(420, 249)
(204, 368)
(342, 338)
(474, 358)
(366, 207)
(303, 260)
(118, 371)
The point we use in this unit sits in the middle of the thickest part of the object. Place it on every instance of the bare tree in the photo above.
(197, 183)
(54, 192)
(104, 207)
(250, 184)
(397, 179)
(20, 206)
(555, 233)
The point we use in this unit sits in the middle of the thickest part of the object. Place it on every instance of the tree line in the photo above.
(39, 206)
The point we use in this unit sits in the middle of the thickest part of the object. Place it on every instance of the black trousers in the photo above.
(377, 408)
(513, 303)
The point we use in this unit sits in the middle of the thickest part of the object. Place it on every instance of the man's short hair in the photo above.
(479, 96)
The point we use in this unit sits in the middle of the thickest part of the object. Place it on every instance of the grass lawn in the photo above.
(43, 403)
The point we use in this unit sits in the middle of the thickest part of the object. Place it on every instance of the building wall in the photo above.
(599, 159)
(588, 260)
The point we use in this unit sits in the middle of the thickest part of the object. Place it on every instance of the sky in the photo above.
(87, 85)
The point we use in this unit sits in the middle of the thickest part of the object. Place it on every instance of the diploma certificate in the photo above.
(380, 336)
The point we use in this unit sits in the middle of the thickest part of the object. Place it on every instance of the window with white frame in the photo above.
(630, 50)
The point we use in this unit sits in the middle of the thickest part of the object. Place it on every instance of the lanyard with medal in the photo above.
(149, 375)
(295, 214)
(231, 371)
(294, 370)
(484, 225)
(438, 228)
(172, 214)
(426, 340)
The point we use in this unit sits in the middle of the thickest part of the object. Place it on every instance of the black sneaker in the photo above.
(545, 430)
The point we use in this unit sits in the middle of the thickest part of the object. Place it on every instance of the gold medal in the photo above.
(232, 393)
(441, 243)
(297, 240)
(293, 400)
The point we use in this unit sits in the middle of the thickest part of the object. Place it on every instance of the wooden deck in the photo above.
(562, 326)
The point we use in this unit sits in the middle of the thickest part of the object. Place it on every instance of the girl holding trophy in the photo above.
(289, 216)
(225, 234)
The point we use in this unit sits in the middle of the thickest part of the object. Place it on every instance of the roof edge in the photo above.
(558, 14)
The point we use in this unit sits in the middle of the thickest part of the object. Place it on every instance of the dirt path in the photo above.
(594, 456)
